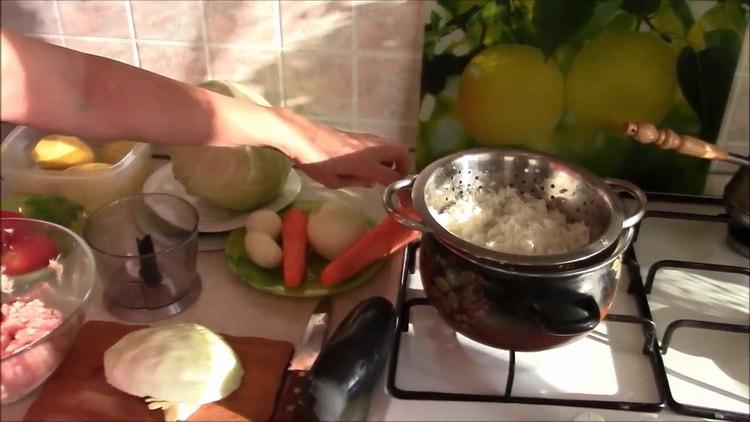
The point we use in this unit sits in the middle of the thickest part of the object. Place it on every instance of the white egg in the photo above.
(264, 221)
(334, 227)
(262, 249)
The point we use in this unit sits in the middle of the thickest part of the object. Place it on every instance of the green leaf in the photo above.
(726, 14)
(459, 6)
(641, 8)
(461, 19)
(439, 68)
(434, 20)
(55, 209)
(688, 76)
(706, 79)
(556, 21)
(603, 12)
(621, 22)
(724, 38)
(683, 12)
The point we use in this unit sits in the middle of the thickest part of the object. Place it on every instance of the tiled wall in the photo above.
(351, 63)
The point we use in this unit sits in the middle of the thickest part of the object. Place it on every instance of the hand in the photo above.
(336, 158)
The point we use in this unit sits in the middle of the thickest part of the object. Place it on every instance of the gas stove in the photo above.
(675, 345)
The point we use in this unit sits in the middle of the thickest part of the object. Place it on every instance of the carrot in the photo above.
(386, 238)
(294, 247)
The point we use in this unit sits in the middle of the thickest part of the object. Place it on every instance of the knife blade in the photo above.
(293, 397)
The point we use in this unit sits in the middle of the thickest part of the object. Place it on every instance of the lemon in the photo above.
(113, 152)
(508, 94)
(58, 152)
(619, 77)
(94, 167)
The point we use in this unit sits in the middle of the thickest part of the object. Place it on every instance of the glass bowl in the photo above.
(64, 289)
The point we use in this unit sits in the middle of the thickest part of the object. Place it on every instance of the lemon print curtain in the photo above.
(563, 76)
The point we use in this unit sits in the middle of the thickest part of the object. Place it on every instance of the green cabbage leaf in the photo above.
(237, 178)
(175, 367)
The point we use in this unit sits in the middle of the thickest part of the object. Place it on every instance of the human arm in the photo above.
(61, 90)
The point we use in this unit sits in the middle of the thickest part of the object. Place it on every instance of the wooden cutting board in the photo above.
(78, 390)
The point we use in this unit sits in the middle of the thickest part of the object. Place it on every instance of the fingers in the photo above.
(383, 164)
(353, 181)
(347, 181)
(373, 161)
(379, 173)
(402, 161)
(394, 154)
(389, 153)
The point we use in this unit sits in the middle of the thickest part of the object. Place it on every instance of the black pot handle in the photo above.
(565, 312)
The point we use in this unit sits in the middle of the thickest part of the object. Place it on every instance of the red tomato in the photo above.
(9, 214)
(11, 229)
(28, 253)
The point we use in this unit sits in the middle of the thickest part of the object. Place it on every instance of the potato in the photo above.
(114, 151)
(264, 221)
(262, 249)
(333, 228)
(58, 152)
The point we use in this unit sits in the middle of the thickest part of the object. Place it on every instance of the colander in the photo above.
(577, 193)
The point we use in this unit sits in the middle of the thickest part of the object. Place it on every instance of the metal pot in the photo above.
(509, 301)
(519, 311)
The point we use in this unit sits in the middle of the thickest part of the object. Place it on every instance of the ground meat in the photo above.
(24, 323)
(23, 373)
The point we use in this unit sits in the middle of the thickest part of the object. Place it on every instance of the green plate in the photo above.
(271, 281)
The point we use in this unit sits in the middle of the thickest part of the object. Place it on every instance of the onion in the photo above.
(334, 227)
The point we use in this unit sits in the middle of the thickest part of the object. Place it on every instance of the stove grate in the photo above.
(673, 326)
(405, 306)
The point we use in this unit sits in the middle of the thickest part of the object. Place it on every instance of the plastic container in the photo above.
(21, 175)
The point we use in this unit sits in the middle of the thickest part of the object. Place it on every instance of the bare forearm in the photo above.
(69, 92)
(64, 91)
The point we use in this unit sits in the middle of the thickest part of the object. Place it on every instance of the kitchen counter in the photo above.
(228, 305)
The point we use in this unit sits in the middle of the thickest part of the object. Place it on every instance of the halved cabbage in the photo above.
(238, 178)
(176, 367)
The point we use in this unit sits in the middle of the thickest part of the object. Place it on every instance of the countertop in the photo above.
(229, 306)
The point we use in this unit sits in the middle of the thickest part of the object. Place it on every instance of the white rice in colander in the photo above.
(513, 223)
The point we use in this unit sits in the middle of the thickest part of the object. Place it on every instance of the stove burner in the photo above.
(738, 238)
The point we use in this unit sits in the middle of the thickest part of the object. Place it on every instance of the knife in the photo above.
(293, 399)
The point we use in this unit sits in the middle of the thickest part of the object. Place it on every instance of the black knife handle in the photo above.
(294, 402)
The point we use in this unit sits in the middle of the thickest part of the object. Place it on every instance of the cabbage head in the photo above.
(176, 367)
(237, 178)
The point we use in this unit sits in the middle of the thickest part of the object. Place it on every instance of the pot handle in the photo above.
(565, 312)
(634, 191)
(393, 205)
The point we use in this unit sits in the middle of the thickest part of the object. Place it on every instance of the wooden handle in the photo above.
(646, 133)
